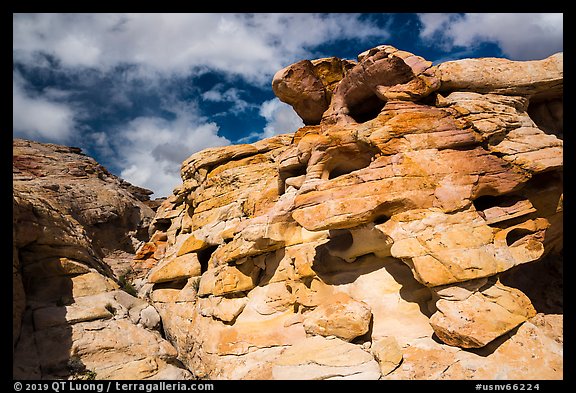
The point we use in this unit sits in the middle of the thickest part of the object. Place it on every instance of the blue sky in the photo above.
(142, 92)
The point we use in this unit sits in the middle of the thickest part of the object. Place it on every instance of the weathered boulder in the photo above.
(382, 74)
(342, 317)
(308, 85)
(474, 314)
(431, 240)
(508, 356)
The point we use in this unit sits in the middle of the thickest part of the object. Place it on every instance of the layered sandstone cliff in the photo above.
(411, 230)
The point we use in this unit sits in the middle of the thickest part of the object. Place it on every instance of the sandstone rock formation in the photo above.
(411, 230)
(75, 230)
(401, 234)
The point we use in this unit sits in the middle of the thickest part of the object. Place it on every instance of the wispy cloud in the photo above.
(232, 95)
(520, 36)
(280, 118)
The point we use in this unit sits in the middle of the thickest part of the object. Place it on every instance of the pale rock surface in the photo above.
(76, 228)
(491, 305)
(341, 316)
(509, 357)
(325, 358)
(388, 354)
(502, 76)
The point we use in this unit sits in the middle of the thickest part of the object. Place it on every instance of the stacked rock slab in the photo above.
(75, 228)
(379, 240)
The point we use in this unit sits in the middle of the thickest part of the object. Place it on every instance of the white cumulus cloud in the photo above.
(40, 115)
(147, 50)
(253, 46)
(280, 118)
(151, 149)
(520, 36)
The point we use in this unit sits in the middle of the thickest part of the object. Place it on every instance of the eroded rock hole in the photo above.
(341, 170)
(291, 177)
(487, 201)
(204, 256)
(162, 225)
(340, 240)
(366, 109)
(346, 165)
(381, 219)
(516, 235)
(548, 114)
(177, 284)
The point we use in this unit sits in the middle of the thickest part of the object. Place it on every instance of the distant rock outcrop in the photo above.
(413, 217)
(75, 231)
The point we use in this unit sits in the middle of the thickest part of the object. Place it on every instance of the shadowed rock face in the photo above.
(308, 85)
(398, 225)
(75, 231)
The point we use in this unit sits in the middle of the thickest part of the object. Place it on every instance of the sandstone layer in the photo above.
(75, 230)
(403, 233)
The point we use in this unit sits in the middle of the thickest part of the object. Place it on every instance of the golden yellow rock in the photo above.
(388, 354)
(229, 279)
(446, 248)
(183, 266)
(191, 244)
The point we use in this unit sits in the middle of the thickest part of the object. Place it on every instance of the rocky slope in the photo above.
(75, 230)
(411, 230)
